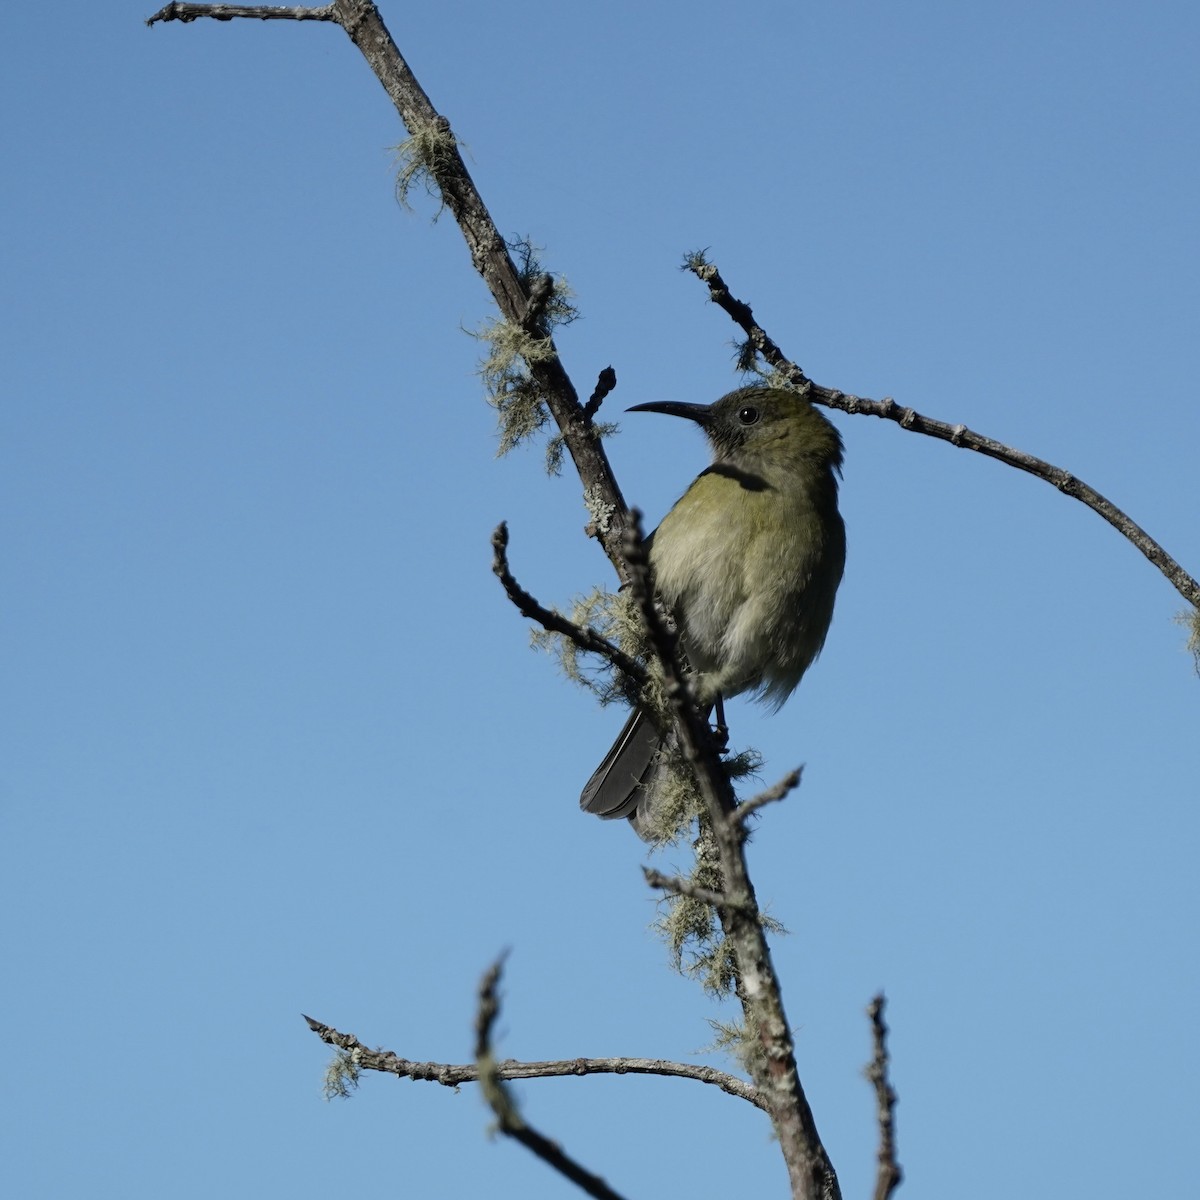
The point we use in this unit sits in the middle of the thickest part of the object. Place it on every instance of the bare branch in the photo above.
(509, 1120)
(957, 435)
(889, 1174)
(453, 1075)
(585, 638)
(229, 12)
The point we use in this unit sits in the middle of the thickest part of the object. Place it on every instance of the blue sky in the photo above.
(273, 741)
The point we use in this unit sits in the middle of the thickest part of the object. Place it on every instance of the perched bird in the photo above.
(748, 562)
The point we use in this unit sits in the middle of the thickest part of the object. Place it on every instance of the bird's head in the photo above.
(761, 424)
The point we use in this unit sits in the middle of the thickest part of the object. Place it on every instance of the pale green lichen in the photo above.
(559, 308)
(614, 617)
(599, 509)
(511, 389)
(508, 371)
(692, 928)
(341, 1076)
(422, 158)
(1190, 620)
(509, 378)
(745, 1047)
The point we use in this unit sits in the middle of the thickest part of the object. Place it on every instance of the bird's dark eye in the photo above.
(748, 414)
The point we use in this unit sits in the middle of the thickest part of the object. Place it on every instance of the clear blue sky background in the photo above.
(274, 742)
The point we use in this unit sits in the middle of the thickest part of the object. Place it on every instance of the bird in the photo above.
(748, 562)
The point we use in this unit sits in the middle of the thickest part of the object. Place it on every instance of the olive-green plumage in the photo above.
(749, 561)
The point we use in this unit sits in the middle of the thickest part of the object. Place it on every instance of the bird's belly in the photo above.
(738, 584)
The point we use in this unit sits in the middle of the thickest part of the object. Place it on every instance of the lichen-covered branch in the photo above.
(453, 1075)
(441, 164)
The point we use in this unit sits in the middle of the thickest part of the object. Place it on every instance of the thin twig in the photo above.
(229, 12)
(889, 1174)
(453, 1075)
(685, 887)
(508, 1119)
(774, 793)
(957, 435)
(585, 637)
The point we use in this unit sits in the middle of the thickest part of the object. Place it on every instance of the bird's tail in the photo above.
(623, 780)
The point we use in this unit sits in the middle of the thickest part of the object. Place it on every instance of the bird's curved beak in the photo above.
(700, 413)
